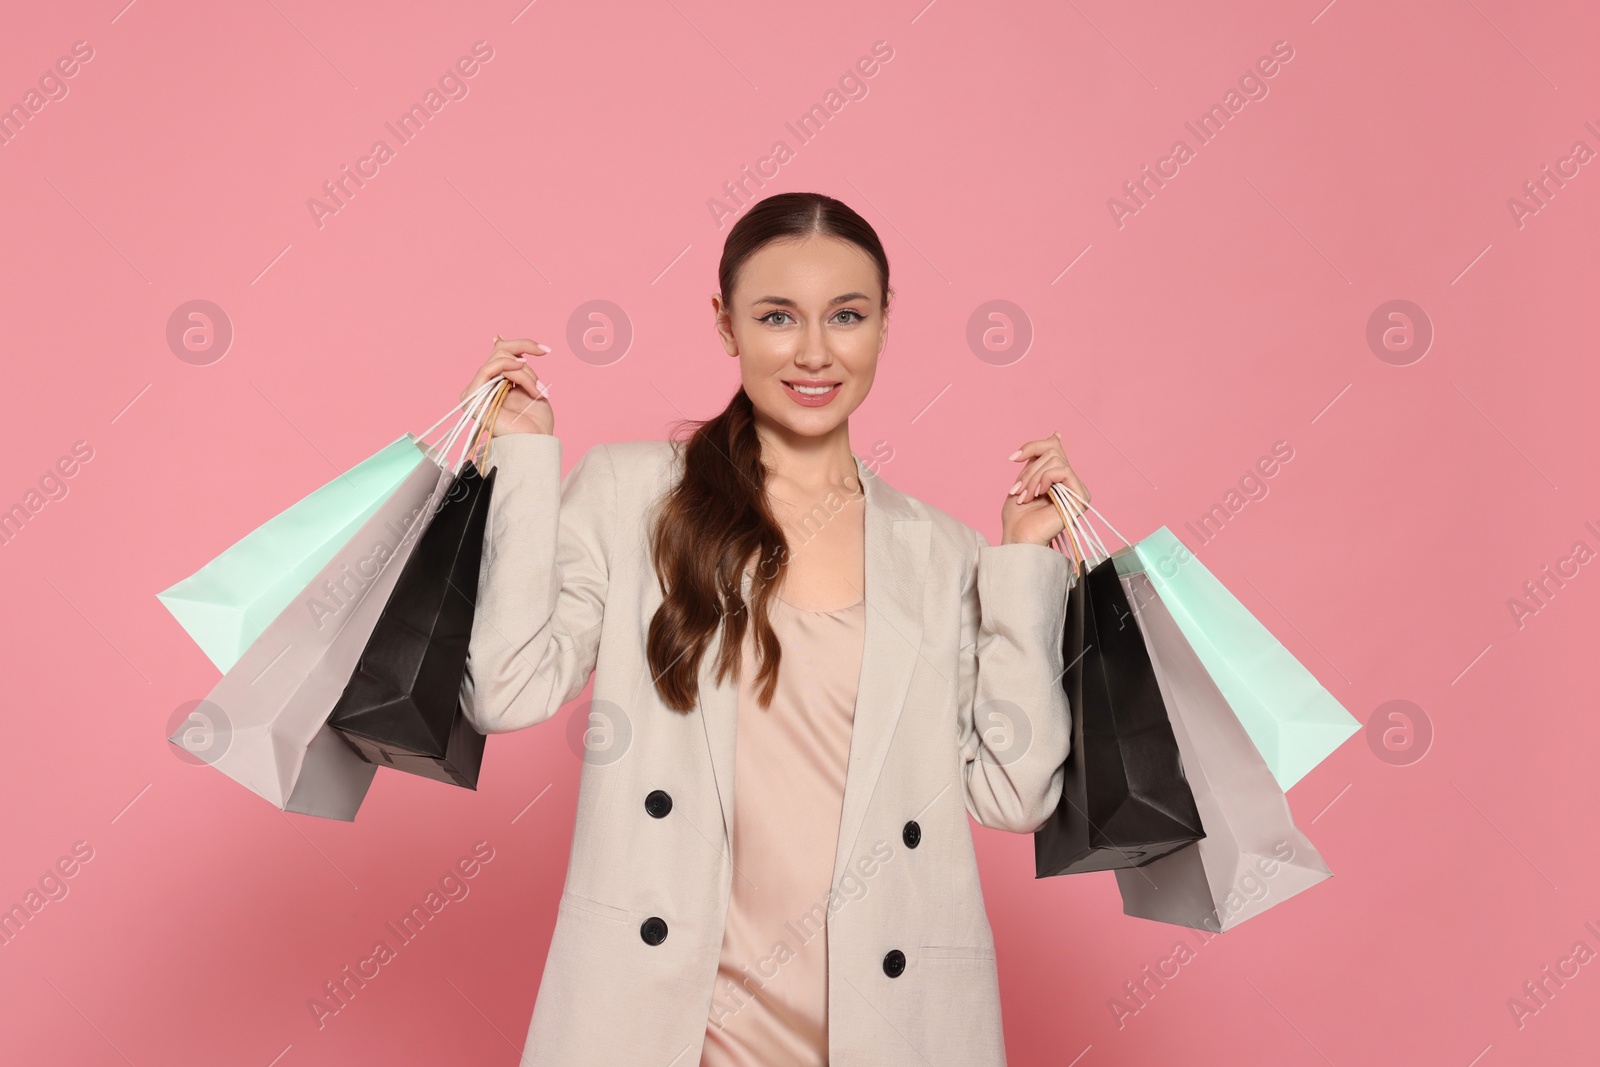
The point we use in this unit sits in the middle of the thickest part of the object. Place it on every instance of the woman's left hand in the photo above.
(1028, 516)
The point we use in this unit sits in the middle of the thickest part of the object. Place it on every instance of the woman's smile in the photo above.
(811, 392)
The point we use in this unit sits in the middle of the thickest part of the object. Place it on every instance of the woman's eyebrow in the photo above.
(783, 301)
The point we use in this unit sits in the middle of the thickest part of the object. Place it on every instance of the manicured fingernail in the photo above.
(542, 348)
(1014, 488)
(1017, 454)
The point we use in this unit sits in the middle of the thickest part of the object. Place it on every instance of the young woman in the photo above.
(807, 681)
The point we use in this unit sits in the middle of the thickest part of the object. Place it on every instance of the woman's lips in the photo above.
(811, 398)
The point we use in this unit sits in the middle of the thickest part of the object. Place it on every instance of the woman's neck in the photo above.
(815, 464)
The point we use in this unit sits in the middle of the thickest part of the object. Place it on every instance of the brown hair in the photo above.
(715, 520)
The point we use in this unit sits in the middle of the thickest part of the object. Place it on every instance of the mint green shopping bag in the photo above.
(226, 604)
(1294, 722)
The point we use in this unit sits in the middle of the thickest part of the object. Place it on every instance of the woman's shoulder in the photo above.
(635, 468)
(634, 461)
(638, 455)
(949, 534)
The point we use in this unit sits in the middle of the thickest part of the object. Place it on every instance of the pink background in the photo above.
(1229, 313)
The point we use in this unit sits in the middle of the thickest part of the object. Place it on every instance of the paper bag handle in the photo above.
(1064, 494)
(1066, 537)
(484, 438)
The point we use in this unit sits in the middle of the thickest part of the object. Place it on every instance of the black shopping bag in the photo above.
(401, 706)
(1125, 800)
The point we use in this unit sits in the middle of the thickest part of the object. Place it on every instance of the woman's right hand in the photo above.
(526, 408)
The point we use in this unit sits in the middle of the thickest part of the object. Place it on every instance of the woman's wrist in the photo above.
(1009, 538)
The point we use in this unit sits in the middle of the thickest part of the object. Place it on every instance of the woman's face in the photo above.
(807, 324)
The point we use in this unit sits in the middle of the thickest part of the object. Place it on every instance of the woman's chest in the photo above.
(825, 566)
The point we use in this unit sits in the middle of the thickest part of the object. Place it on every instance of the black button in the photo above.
(894, 964)
(653, 930)
(658, 803)
(912, 834)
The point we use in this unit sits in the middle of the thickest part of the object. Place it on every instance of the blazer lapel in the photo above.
(897, 555)
(896, 558)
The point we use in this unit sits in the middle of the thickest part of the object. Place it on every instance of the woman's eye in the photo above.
(771, 317)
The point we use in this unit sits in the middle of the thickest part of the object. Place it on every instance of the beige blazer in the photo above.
(959, 712)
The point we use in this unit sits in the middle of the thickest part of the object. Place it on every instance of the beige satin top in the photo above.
(770, 1004)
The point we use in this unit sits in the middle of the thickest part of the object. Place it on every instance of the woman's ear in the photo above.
(722, 319)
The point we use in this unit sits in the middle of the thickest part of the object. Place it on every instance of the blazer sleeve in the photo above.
(1015, 727)
(541, 583)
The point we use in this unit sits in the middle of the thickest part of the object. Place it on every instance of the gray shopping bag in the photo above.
(1252, 856)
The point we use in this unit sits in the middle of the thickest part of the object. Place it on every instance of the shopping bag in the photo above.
(1253, 856)
(401, 707)
(1293, 720)
(1125, 799)
(226, 604)
(274, 702)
